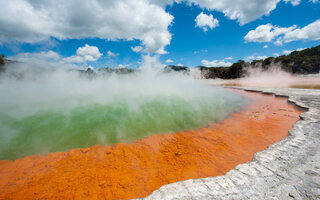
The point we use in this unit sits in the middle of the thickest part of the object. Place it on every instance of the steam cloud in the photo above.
(274, 76)
(45, 109)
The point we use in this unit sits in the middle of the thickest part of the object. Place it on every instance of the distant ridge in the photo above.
(297, 62)
(306, 61)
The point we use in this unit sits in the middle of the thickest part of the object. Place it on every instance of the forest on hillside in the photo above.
(297, 62)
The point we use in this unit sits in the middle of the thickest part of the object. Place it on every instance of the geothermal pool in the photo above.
(127, 171)
(80, 136)
(62, 110)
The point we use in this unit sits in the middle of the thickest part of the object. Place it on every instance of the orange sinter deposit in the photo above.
(125, 171)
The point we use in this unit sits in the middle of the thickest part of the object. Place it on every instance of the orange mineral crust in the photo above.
(125, 171)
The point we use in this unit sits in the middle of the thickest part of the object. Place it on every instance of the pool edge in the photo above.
(287, 169)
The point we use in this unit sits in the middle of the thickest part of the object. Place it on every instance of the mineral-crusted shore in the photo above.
(289, 169)
(134, 170)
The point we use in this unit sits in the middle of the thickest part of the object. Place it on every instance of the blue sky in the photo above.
(228, 39)
(189, 45)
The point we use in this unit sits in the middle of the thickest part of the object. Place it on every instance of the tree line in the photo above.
(297, 62)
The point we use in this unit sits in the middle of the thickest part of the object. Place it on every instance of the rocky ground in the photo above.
(289, 169)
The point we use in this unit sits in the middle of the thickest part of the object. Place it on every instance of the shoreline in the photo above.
(173, 158)
(288, 169)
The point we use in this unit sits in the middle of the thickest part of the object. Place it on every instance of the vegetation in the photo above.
(232, 72)
(301, 62)
(2, 60)
(298, 62)
(2, 63)
(176, 68)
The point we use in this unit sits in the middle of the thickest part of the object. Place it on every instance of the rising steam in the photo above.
(275, 76)
(53, 109)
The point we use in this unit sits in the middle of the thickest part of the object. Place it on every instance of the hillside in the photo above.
(298, 62)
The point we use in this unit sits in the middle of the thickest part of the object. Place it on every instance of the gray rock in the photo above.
(289, 169)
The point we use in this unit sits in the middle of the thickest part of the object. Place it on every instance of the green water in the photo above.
(63, 129)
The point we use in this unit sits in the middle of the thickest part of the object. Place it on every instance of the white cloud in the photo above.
(265, 46)
(261, 57)
(309, 32)
(249, 58)
(276, 54)
(74, 59)
(266, 33)
(45, 58)
(279, 42)
(122, 66)
(137, 49)
(40, 57)
(229, 58)
(243, 11)
(293, 2)
(206, 21)
(180, 65)
(110, 53)
(34, 21)
(169, 61)
(261, 34)
(216, 63)
(201, 51)
(83, 54)
(86, 53)
(91, 53)
(269, 33)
